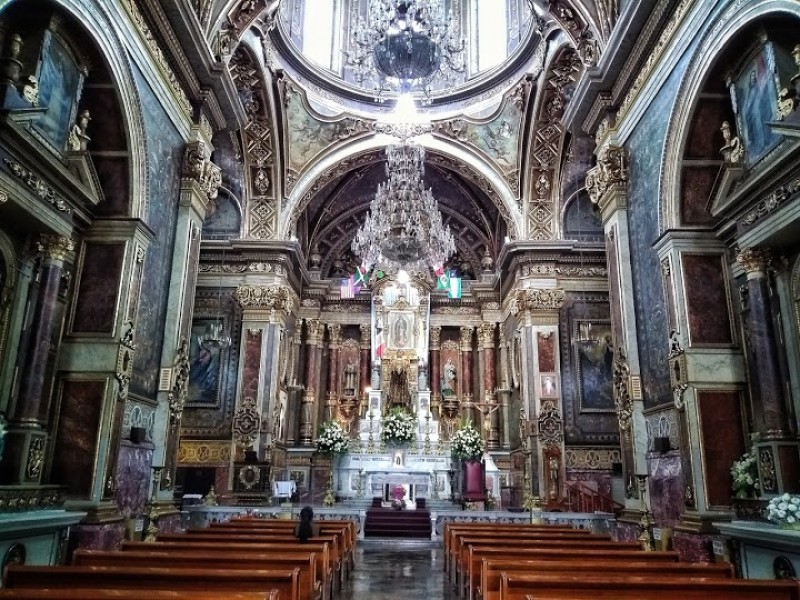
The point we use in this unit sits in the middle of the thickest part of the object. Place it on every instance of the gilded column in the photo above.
(293, 411)
(26, 439)
(504, 391)
(335, 337)
(466, 373)
(435, 369)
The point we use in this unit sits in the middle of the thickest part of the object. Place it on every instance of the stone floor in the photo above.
(392, 569)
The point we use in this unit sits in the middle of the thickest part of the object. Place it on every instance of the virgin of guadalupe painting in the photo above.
(204, 367)
(401, 330)
(594, 358)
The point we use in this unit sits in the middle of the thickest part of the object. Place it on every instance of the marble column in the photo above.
(26, 438)
(505, 391)
(466, 374)
(308, 413)
(435, 370)
(293, 411)
(332, 403)
(770, 410)
(487, 346)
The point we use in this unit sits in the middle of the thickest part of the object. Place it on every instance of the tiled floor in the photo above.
(397, 569)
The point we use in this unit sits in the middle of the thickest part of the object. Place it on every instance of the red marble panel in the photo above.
(113, 175)
(252, 363)
(722, 439)
(706, 299)
(624, 532)
(697, 185)
(108, 536)
(98, 289)
(693, 547)
(103, 105)
(546, 343)
(76, 438)
(705, 139)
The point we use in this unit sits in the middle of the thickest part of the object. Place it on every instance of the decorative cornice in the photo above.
(37, 184)
(775, 199)
(158, 56)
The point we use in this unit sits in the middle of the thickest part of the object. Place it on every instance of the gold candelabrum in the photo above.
(152, 507)
(427, 447)
(360, 483)
(646, 521)
(330, 495)
(371, 438)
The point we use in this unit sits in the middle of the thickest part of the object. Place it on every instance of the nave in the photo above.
(388, 569)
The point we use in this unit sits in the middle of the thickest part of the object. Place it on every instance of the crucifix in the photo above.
(487, 408)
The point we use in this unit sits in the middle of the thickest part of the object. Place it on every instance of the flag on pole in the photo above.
(380, 345)
(442, 279)
(362, 277)
(346, 289)
(454, 290)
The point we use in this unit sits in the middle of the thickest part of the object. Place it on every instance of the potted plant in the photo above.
(331, 441)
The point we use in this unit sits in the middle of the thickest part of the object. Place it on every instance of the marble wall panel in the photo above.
(165, 155)
(133, 478)
(705, 139)
(614, 291)
(722, 440)
(547, 352)
(666, 488)
(103, 104)
(252, 363)
(624, 532)
(645, 149)
(98, 291)
(106, 536)
(81, 404)
(706, 300)
(697, 186)
(599, 481)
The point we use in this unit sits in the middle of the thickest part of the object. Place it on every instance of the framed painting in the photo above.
(205, 365)
(548, 385)
(755, 96)
(594, 364)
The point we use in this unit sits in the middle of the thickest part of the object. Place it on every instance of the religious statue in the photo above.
(554, 490)
(732, 151)
(422, 375)
(78, 140)
(399, 391)
(449, 378)
(350, 376)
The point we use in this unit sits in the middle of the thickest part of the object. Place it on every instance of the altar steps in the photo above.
(388, 522)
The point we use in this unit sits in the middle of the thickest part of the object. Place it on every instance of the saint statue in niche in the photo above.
(350, 373)
(449, 378)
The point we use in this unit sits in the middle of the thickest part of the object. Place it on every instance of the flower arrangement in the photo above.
(398, 428)
(745, 475)
(466, 443)
(332, 439)
(785, 511)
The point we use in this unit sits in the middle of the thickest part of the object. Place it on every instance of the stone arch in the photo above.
(719, 30)
(298, 199)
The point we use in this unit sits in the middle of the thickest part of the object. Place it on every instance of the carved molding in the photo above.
(622, 397)
(265, 297)
(774, 200)
(198, 167)
(550, 424)
(591, 458)
(198, 452)
(125, 356)
(180, 385)
(537, 299)
(37, 185)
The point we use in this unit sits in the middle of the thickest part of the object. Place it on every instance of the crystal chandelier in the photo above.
(403, 227)
(406, 44)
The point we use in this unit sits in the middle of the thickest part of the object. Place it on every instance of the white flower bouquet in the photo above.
(332, 439)
(744, 473)
(398, 428)
(466, 443)
(784, 511)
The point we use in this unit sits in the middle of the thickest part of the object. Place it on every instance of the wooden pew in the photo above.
(451, 530)
(514, 586)
(492, 569)
(221, 536)
(198, 548)
(286, 581)
(458, 537)
(309, 583)
(462, 560)
(117, 594)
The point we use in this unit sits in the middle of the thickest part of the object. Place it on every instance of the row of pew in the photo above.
(493, 561)
(243, 559)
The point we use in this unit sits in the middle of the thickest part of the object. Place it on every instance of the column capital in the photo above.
(335, 333)
(55, 247)
(366, 335)
(486, 334)
(754, 261)
(466, 338)
(436, 336)
(315, 331)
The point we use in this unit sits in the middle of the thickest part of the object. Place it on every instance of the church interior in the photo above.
(259, 254)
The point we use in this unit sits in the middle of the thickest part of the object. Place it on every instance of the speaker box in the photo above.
(661, 445)
(138, 435)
